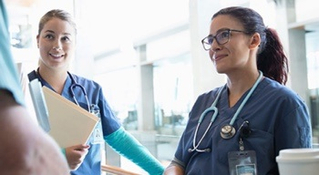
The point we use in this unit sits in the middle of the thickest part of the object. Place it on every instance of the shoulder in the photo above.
(85, 81)
(275, 87)
(278, 92)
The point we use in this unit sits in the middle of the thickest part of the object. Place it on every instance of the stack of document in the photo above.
(66, 122)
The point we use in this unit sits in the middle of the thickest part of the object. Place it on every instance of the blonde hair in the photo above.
(56, 13)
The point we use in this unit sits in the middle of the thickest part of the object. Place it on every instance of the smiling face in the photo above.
(56, 43)
(234, 54)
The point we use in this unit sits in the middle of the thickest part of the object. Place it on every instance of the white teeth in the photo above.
(214, 57)
(56, 55)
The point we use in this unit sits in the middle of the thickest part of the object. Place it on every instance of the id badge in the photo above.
(242, 162)
(97, 135)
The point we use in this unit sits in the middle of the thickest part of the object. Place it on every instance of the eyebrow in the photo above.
(222, 29)
(218, 31)
(51, 31)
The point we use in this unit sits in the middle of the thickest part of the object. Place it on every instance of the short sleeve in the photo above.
(9, 75)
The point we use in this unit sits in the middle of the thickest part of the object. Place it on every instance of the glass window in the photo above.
(173, 94)
(121, 90)
(312, 49)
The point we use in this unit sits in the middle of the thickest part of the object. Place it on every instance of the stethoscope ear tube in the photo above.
(207, 150)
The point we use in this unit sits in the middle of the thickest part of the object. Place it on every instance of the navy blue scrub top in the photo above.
(277, 117)
(109, 123)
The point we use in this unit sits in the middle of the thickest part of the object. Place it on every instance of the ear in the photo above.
(38, 41)
(254, 41)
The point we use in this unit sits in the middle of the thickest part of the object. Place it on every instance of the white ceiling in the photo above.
(113, 23)
(106, 24)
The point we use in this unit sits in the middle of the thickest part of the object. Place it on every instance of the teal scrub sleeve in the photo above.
(63, 151)
(9, 75)
(125, 144)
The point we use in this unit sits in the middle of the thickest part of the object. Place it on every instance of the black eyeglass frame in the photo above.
(215, 37)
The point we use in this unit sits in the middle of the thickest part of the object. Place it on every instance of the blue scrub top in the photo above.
(278, 119)
(109, 123)
(9, 76)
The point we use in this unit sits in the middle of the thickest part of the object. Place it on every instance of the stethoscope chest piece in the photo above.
(227, 132)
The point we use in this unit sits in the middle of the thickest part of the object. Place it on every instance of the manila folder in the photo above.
(70, 124)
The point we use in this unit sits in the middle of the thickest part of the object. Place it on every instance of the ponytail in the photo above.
(272, 60)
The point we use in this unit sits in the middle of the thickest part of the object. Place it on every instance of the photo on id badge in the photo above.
(248, 169)
(242, 162)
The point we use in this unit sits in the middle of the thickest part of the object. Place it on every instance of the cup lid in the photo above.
(299, 153)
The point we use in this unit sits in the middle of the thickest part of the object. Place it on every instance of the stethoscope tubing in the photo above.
(232, 121)
(74, 85)
(214, 109)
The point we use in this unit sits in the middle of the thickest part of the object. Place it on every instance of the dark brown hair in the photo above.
(271, 59)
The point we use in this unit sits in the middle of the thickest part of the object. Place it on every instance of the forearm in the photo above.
(174, 169)
(129, 147)
(25, 148)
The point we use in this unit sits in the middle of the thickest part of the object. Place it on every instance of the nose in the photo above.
(56, 48)
(214, 46)
(57, 45)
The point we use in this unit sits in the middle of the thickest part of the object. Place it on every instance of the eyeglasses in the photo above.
(222, 37)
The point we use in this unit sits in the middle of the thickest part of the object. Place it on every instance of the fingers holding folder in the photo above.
(76, 154)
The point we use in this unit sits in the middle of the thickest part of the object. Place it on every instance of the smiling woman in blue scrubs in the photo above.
(56, 43)
(240, 128)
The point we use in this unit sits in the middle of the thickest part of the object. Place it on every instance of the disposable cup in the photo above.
(298, 161)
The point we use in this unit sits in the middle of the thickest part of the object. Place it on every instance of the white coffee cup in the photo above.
(298, 161)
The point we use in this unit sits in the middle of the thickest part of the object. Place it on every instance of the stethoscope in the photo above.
(74, 85)
(227, 131)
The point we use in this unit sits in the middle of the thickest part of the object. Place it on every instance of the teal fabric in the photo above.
(63, 151)
(9, 77)
(126, 145)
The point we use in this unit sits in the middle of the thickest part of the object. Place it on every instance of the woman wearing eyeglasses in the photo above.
(239, 128)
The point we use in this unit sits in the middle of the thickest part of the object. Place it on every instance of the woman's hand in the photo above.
(75, 155)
